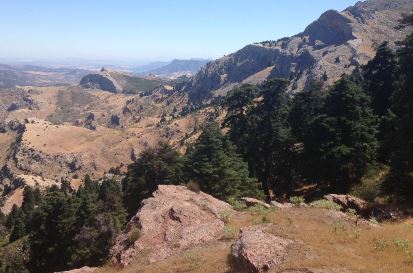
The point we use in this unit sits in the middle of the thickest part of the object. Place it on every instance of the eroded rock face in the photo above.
(335, 44)
(174, 219)
(97, 81)
(258, 250)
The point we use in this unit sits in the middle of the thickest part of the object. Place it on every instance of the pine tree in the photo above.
(161, 165)
(53, 228)
(17, 223)
(400, 139)
(271, 138)
(19, 227)
(380, 77)
(214, 163)
(239, 102)
(28, 200)
(342, 141)
(305, 107)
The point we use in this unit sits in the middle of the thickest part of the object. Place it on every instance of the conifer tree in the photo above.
(400, 139)
(155, 166)
(214, 163)
(342, 141)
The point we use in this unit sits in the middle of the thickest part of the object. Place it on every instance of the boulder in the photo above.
(285, 205)
(250, 202)
(173, 220)
(348, 202)
(258, 250)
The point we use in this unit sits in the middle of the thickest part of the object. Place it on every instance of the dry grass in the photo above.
(214, 259)
(325, 242)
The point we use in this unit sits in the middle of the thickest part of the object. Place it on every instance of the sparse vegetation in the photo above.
(326, 204)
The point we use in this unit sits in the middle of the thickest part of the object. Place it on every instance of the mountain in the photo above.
(335, 44)
(172, 69)
(178, 68)
(117, 82)
(148, 67)
(25, 75)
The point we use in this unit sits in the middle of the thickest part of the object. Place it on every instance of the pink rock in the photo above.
(250, 202)
(173, 220)
(259, 251)
(348, 201)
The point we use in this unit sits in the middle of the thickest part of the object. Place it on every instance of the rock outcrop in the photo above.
(348, 202)
(335, 44)
(173, 220)
(84, 269)
(101, 81)
(250, 202)
(257, 250)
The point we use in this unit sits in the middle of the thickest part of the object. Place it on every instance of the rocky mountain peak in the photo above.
(333, 45)
(332, 28)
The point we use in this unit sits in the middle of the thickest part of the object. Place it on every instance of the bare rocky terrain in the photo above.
(106, 119)
(335, 44)
(50, 133)
(179, 230)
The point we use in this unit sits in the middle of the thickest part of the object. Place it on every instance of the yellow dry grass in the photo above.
(325, 242)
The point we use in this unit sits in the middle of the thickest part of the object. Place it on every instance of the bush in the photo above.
(326, 204)
(371, 185)
(134, 234)
(297, 200)
(236, 204)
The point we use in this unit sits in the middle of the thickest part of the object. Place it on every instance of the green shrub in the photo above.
(297, 200)
(326, 204)
(401, 244)
(134, 234)
(225, 216)
(236, 204)
(230, 232)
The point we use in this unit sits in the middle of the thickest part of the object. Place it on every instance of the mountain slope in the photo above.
(117, 82)
(336, 43)
(24, 75)
(179, 68)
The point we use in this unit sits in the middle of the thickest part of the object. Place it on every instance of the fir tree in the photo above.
(400, 139)
(161, 165)
(342, 141)
(214, 163)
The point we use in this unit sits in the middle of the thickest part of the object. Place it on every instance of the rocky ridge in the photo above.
(173, 220)
(335, 44)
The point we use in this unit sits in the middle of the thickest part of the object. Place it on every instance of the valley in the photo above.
(287, 156)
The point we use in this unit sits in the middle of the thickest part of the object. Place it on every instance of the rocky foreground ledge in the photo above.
(173, 220)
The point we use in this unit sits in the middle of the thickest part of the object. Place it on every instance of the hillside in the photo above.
(52, 132)
(333, 45)
(178, 68)
(117, 82)
(21, 75)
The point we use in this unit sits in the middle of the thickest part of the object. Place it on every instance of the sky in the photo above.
(148, 30)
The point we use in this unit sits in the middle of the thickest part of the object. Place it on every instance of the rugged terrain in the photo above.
(173, 69)
(165, 236)
(104, 120)
(49, 133)
(335, 44)
(23, 75)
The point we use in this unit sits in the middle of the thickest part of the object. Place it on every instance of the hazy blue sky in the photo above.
(148, 30)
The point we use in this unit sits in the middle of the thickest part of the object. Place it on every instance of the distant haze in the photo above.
(138, 32)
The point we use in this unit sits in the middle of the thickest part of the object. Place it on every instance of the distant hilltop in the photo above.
(172, 69)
